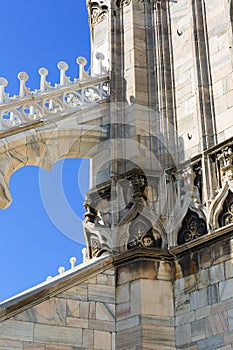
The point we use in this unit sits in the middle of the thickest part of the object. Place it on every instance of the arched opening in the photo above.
(33, 243)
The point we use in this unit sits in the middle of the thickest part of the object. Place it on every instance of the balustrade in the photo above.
(48, 101)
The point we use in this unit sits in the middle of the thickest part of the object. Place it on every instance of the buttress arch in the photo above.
(43, 147)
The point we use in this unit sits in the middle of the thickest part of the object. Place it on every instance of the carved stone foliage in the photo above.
(98, 11)
(226, 216)
(192, 227)
(141, 234)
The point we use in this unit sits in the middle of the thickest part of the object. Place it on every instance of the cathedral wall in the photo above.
(220, 46)
(203, 298)
(202, 54)
(82, 317)
(126, 305)
(185, 80)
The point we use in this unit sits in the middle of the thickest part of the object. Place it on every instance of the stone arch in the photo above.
(44, 147)
(217, 206)
(149, 219)
(175, 226)
(226, 215)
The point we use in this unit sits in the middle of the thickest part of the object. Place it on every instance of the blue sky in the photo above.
(33, 242)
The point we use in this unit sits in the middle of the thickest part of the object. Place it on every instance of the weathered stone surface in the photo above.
(216, 324)
(198, 299)
(58, 335)
(49, 312)
(88, 338)
(11, 345)
(78, 293)
(136, 270)
(17, 330)
(101, 293)
(105, 312)
(198, 330)
(183, 335)
(144, 301)
(210, 343)
(225, 289)
(102, 340)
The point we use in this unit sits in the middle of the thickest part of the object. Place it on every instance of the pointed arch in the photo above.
(217, 206)
(149, 220)
(193, 226)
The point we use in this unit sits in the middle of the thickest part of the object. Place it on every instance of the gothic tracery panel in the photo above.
(192, 227)
(226, 216)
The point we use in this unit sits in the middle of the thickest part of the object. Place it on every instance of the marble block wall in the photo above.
(204, 299)
(126, 303)
(81, 317)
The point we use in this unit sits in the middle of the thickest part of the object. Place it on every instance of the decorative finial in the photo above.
(61, 270)
(63, 67)
(3, 95)
(23, 90)
(84, 252)
(49, 278)
(82, 63)
(100, 57)
(73, 262)
(44, 85)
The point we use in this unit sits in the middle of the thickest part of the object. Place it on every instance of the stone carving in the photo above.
(98, 240)
(220, 209)
(123, 3)
(192, 227)
(226, 216)
(225, 159)
(141, 234)
(34, 105)
(98, 11)
(134, 221)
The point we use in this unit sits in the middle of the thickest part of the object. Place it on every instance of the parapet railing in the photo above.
(50, 101)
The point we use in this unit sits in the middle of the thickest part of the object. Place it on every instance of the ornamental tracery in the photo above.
(226, 216)
(98, 11)
(50, 100)
(134, 224)
(192, 227)
(141, 234)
